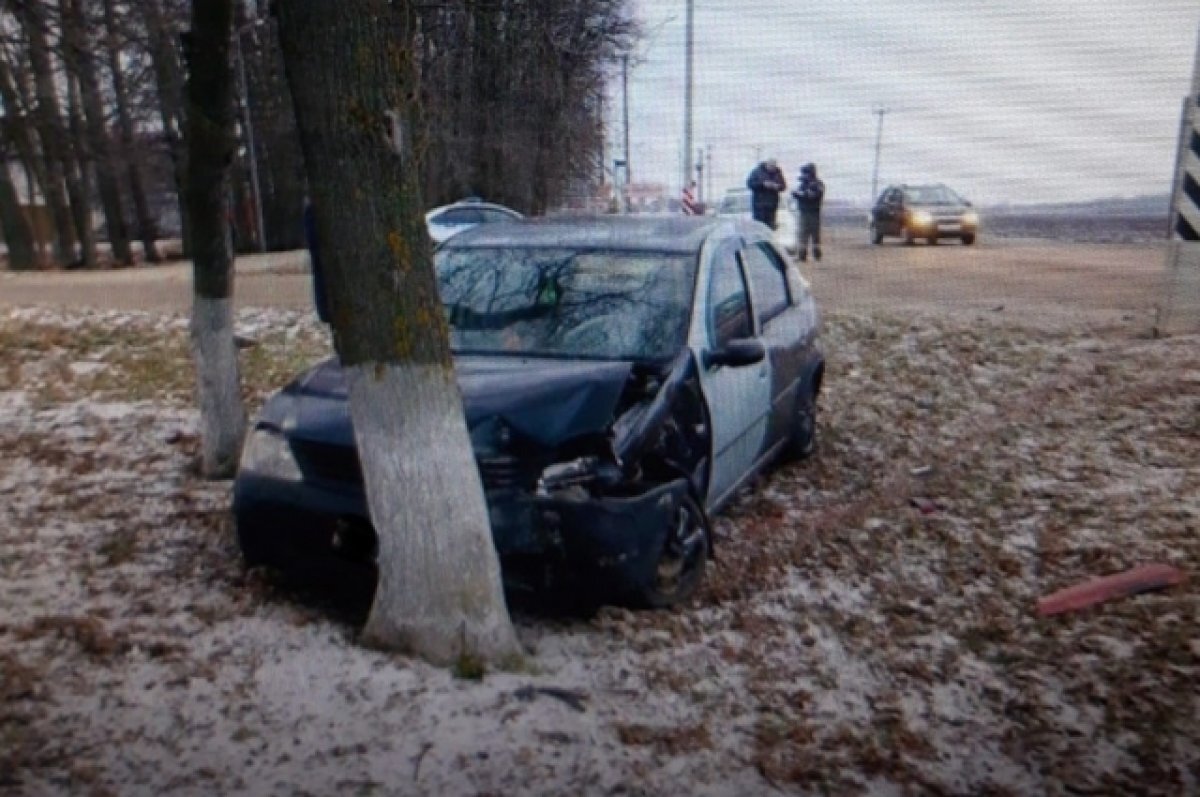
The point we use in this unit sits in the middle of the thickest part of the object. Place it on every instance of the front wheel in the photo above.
(802, 442)
(681, 564)
(968, 238)
(932, 240)
(876, 234)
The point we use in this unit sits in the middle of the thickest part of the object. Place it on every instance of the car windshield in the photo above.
(933, 195)
(735, 203)
(613, 305)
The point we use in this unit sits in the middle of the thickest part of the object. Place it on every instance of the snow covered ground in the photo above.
(847, 641)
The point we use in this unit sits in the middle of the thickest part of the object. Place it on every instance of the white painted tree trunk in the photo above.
(427, 504)
(218, 387)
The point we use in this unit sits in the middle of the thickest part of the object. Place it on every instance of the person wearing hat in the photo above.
(766, 183)
(808, 195)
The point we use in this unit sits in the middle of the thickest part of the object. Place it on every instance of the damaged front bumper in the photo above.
(610, 544)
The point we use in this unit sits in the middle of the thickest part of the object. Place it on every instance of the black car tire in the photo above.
(876, 235)
(909, 238)
(254, 550)
(933, 239)
(681, 564)
(802, 441)
(968, 238)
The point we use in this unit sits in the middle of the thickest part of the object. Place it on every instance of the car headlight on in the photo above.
(970, 218)
(267, 453)
(921, 218)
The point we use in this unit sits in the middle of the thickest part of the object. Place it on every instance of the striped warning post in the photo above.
(1180, 310)
(1186, 202)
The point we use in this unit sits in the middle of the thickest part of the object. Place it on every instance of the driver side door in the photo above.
(738, 397)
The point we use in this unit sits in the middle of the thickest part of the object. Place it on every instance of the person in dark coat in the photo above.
(318, 275)
(809, 193)
(766, 183)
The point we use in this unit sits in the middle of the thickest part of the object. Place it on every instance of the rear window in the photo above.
(459, 216)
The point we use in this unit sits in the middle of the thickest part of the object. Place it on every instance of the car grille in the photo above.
(504, 473)
(339, 464)
(327, 462)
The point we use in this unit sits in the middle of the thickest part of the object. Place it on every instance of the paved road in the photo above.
(1031, 279)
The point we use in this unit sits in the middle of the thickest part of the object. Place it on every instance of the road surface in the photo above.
(1028, 279)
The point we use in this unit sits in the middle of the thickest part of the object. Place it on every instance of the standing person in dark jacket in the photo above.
(766, 183)
(809, 194)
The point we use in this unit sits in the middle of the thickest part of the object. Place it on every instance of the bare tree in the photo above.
(513, 89)
(17, 235)
(79, 175)
(210, 150)
(77, 49)
(353, 75)
(145, 221)
(168, 80)
(51, 130)
(17, 129)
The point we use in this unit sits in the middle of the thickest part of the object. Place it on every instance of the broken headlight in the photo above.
(580, 472)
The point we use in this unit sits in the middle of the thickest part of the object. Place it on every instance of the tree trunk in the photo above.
(80, 61)
(168, 81)
(51, 132)
(280, 162)
(79, 177)
(351, 67)
(19, 130)
(145, 221)
(210, 151)
(17, 235)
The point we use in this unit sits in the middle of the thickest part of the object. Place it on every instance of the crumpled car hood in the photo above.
(547, 401)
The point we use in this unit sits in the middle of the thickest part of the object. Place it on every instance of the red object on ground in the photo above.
(1143, 578)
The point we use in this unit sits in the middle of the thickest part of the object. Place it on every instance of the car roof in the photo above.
(911, 186)
(682, 234)
(471, 203)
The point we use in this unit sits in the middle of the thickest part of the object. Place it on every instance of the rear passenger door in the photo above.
(780, 328)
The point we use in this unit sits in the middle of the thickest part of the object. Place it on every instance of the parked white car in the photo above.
(736, 204)
(449, 220)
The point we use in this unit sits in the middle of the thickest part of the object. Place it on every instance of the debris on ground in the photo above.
(1144, 578)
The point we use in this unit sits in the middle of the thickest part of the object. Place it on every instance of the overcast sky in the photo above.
(1018, 101)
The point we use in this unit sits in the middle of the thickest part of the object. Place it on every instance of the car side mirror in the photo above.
(736, 353)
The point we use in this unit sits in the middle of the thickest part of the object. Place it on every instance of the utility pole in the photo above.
(880, 112)
(708, 166)
(689, 76)
(625, 114)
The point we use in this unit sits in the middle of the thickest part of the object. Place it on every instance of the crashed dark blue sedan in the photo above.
(621, 379)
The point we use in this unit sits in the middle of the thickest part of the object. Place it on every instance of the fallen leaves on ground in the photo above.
(869, 623)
